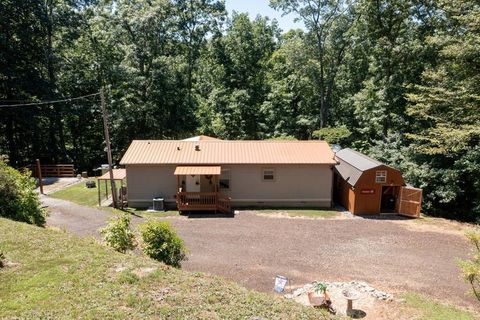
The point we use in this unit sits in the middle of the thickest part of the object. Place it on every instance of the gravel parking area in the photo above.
(392, 255)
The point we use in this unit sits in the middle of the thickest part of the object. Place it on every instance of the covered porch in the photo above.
(198, 189)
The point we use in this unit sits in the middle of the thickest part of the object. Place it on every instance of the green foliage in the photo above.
(428, 309)
(128, 277)
(72, 273)
(446, 106)
(471, 268)
(118, 234)
(332, 135)
(320, 287)
(401, 76)
(18, 199)
(283, 138)
(161, 242)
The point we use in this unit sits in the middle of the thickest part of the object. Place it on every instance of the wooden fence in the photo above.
(54, 170)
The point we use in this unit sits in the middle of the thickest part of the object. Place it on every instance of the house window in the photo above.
(381, 176)
(268, 174)
(224, 182)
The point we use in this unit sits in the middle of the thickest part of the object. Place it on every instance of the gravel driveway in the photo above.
(251, 249)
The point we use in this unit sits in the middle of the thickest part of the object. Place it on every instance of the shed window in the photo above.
(224, 182)
(381, 176)
(268, 174)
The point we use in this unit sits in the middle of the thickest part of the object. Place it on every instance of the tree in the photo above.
(327, 22)
(290, 107)
(195, 20)
(446, 106)
(235, 86)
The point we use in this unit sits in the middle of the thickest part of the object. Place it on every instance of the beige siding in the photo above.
(294, 185)
(147, 182)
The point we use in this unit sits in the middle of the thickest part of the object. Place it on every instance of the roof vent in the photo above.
(178, 148)
(197, 147)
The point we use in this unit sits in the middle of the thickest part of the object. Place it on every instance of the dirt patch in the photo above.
(370, 303)
(437, 225)
(144, 271)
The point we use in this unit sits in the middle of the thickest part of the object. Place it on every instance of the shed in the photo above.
(366, 186)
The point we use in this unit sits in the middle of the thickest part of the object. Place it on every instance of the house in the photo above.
(204, 173)
(366, 186)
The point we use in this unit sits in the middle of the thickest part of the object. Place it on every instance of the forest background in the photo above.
(396, 79)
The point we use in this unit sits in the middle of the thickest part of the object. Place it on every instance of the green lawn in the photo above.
(60, 276)
(431, 310)
(84, 196)
(80, 194)
(301, 212)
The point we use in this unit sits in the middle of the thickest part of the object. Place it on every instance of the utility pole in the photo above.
(39, 175)
(109, 150)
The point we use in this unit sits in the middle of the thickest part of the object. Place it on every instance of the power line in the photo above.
(48, 102)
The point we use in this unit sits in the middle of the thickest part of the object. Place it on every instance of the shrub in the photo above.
(118, 234)
(18, 199)
(471, 268)
(162, 243)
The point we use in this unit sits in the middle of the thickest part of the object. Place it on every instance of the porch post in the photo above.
(99, 197)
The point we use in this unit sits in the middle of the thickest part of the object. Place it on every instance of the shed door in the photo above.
(410, 202)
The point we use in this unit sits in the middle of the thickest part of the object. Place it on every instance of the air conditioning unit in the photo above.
(158, 204)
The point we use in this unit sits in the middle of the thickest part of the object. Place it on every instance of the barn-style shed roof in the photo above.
(353, 163)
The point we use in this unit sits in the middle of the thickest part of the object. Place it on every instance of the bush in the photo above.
(162, 243)
(18, 199)
(118, 235)
(471, 268)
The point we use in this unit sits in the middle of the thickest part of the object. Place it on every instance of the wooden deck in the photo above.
(203, 201)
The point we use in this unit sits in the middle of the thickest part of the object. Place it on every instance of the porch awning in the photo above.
(118, 174)
(198, 170)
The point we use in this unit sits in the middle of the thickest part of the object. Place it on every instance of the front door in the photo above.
(193, 183)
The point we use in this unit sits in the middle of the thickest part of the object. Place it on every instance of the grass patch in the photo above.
(300, 212)
(80, 194)
(62, 276)
(432, 310)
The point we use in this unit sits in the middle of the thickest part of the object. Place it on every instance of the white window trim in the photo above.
(274, 174)
(382, 174)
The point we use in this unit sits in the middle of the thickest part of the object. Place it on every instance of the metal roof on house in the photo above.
(201, 138)
(352, 164)
(227, 152)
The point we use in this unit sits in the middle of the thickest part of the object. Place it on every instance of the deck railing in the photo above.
(54, 170)
(197, 201)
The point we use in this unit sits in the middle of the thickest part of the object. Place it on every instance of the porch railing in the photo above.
(54, 170)
(196, 201)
